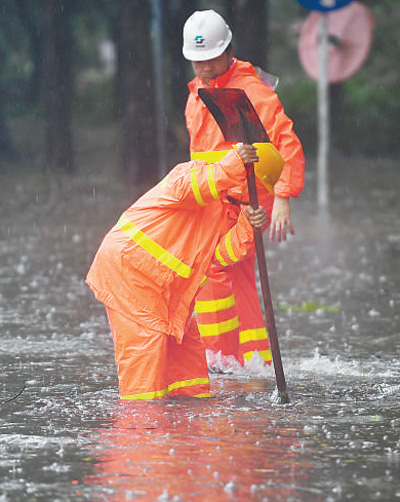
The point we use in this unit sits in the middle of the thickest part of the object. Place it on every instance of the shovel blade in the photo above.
(235, 115)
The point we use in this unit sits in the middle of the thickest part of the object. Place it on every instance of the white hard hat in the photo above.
(205, 36)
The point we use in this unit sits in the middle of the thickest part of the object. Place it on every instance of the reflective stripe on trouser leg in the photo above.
(255, 340)
(253, 333)
(216, 316)
(229, 315)
(143, 359)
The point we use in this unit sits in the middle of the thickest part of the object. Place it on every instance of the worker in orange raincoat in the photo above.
(151, 264)
(228, 312)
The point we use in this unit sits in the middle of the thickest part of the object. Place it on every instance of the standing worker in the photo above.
(227, 310)
(151, 265)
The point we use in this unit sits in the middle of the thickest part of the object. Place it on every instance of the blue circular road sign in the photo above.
(324, 5)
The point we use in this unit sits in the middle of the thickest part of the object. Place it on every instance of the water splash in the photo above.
(254, 368)
(323, 365)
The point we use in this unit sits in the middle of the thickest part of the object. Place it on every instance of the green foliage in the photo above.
(369, 113)
(89, 28)
(94, 103)
(300, 101)
(311, 306)
(372, 112)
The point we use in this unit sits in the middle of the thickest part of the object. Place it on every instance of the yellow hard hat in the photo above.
(270, 165)
(267, 170)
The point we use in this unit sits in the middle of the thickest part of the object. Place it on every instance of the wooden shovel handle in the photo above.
(266, 292)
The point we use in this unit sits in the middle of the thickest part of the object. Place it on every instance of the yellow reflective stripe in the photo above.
(265, 354)
(153, 248)
(211, 184)
(173, 386)
(218, 328)
(203, 281)
(206, 394)
(195, 187)
(164, 182)
(228, 244)
(210, 157)
(252, 335)
(147, 395)
(188, 383)
(211, 181)
(205, 306)
(218, 256)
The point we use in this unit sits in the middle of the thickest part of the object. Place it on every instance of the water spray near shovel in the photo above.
(239, 122)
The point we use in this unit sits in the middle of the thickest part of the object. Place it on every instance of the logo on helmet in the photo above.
(199, 39)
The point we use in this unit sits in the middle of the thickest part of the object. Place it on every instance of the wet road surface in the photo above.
(336, 288)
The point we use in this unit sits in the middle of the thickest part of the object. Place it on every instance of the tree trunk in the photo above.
(30, 20)
(7, 148)
(58, 79)
(250, 31)
(180, 72)
(138, 132)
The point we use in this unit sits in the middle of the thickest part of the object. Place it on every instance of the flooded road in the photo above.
(336, 288)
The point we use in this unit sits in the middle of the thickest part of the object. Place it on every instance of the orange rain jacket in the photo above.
(151, 264)
(227, 309)
(205, 134)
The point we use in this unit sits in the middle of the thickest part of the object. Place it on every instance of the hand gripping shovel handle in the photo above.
(238, 121)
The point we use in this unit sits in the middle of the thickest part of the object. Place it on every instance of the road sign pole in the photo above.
(323, 114)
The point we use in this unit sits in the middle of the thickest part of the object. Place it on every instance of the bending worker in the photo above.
(227, 310)
(151, 265)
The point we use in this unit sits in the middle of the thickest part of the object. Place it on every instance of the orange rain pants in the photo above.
(229, 315)
(152, 365)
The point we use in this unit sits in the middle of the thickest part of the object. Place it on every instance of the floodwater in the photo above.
(336, 291)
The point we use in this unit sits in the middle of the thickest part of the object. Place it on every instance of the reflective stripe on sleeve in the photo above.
(228, 244)
(164, 182)
(211, 185)
(154, 249)
(203, 281)
(218, 256)
(195, 187)
(211, 182)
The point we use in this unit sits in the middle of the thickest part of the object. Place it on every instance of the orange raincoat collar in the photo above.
(223, 79)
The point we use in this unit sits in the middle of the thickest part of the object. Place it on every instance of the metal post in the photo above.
(323, 114)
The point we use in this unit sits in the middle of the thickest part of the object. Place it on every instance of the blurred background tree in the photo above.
(70, 66)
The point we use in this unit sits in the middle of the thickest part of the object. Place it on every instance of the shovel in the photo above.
(239, 122)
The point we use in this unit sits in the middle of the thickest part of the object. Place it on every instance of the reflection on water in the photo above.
(193, 450)
(337, 291)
